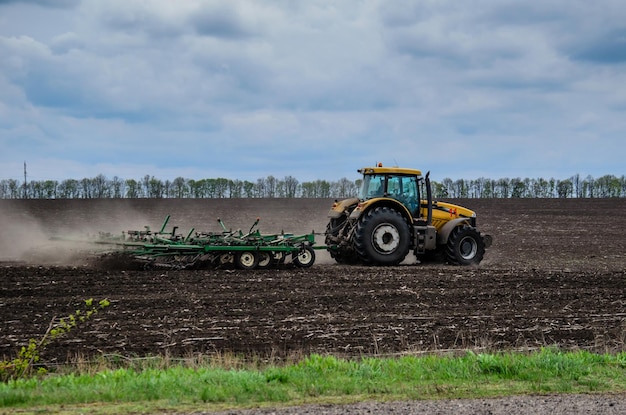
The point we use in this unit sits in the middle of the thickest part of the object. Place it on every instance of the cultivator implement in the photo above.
(212, 249)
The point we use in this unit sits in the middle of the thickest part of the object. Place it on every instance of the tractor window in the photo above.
(373, 186)
(405, 190)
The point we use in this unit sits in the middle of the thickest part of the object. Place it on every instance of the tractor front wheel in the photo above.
(465, 246)
(382, 237)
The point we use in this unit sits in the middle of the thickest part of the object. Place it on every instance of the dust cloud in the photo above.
(30, 240)
(24, 239)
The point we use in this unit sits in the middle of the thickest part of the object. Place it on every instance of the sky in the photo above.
(311, 89)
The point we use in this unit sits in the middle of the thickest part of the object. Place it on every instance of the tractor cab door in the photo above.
(405, 190)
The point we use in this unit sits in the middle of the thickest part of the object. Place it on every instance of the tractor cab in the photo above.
(402, 185)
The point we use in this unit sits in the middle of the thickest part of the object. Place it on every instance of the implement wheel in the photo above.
(305, 258)
(246, 260)
(265, 259)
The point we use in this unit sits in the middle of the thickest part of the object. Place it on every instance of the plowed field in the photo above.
(554, 276)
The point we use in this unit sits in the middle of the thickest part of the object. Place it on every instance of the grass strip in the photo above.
(318, 379)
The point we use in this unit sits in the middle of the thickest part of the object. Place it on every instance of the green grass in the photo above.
(316, 379)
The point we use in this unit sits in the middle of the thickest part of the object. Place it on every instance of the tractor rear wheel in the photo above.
(382, 237)
(246, 260)
(465, 246)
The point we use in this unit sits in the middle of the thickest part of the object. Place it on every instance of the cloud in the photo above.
(605, 48)
(318, 88)
(62, 4)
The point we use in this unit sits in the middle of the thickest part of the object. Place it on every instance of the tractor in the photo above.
(395, 214)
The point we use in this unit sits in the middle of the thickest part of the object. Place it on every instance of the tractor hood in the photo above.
(451, 210)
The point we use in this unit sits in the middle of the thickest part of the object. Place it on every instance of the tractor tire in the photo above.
(345, 254)
(305, 258)
(382, 237)
(465, 246)
(246, 260)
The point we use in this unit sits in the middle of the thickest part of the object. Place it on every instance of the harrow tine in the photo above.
(167, 219)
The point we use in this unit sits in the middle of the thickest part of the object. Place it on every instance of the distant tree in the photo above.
(179, 188)
(447, 188)
(167, 188)
(117, 187)
(270, 186)
(86, 188)
(68, 189)
(152, 187)
(14, 188)
(577, 187)
(235, 188)
(100, 186)
(608, 186)
(4, 189)
(438, 190)
(564, 188)
(248, 189)
(589, 187)
(316, 189)
(517, 188)
(290, 186)
(155, 189)
(488, 189)
(343, 188)
(196, 188)
(50, 189)
(133, 189)
(308, 189)
(461, 188)
(259, 188)
(221, 187)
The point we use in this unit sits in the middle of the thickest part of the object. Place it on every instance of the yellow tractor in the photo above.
(395, 214)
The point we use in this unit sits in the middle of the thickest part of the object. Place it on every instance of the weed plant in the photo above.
(29, 356)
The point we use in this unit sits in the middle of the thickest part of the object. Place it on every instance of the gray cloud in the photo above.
(62, 4)
(606, 48)
(221, 21)
(300, 88)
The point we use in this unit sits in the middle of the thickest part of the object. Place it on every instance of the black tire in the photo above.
(266, 259)
(465, 246)
(334, 226)
(305, 257)
(246, 260)
(343, 254)
(382, 237)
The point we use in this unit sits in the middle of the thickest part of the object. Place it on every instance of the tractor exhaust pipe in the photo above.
(429, 197)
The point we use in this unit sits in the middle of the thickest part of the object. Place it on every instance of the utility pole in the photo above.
(24, 179)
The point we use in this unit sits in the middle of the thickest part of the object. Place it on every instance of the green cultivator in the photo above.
(212, 249)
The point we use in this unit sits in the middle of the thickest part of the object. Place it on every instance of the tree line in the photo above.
(289, 187)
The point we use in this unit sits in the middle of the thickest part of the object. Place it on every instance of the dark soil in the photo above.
(554, 276)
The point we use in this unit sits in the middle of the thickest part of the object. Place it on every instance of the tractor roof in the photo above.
(389, 170)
